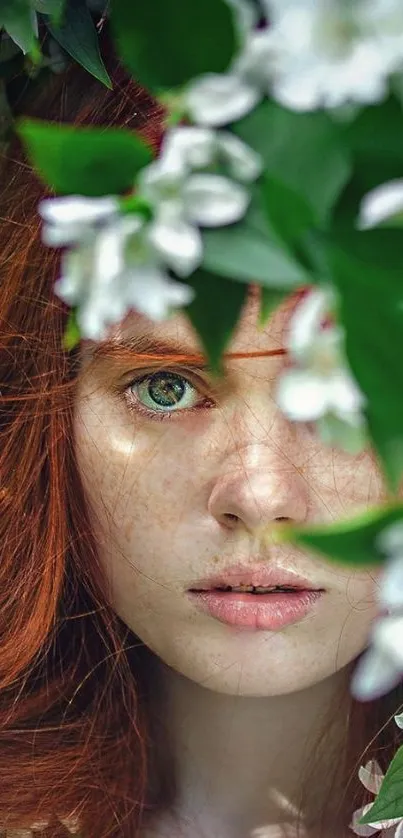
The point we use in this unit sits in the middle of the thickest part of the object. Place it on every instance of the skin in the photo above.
(179, 499)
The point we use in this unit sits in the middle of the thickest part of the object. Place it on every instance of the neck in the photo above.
(239, 762)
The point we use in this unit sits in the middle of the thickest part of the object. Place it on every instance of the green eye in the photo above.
(166, 391)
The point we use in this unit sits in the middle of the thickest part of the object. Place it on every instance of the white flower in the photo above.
(72, 218)
(383, 203)
(115, 269)
(197, 148)
(217, 99)
(320, 387)
(384, 18)
(178, 243)
(371, 777)
(381, 668)
(330, 53)
(213, 200)
(182, 202)
(390, 541)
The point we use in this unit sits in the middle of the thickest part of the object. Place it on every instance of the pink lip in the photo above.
(268, 612)
(257, 575)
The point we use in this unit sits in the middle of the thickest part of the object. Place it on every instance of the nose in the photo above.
(256, 487)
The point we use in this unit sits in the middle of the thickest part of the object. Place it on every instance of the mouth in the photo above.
(255, 580)
(256, 608)
(251, 589)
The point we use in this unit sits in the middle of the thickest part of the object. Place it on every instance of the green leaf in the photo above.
(288, 211)
(367, 270)
(8, 48)
(79, 37)
(164, 43)
(19, 21)
(375, 141)
(49, 7)
(389, 800)
(72, 334)
(269, 301)
(214, 312)
(352, 541)
(84, 161)
(251, 251)
(302, 151)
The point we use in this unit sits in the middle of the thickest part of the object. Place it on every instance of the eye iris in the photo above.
(166, 389)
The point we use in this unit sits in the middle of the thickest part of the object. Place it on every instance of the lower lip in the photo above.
(256, 611)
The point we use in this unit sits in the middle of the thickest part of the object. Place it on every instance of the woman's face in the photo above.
(179, 493)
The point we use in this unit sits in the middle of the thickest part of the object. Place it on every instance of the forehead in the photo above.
(248, 335)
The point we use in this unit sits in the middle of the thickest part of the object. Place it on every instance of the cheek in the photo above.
(142, 481)
(352, 610)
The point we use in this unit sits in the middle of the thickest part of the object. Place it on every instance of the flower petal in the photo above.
(108, 254)
(305, 322)
(375, 675)
(301, 395)
(213, 200)
(390, 594)
(256, 62)
(362, 829)
(399, 720)
(91, 321)
(162, 180)
(390, 540)
(371, 775)
(388, 637)
(192, 145)
(112, 249)
(382, 203)
(218, 99)
(153, 293)
(77, 209)
(399, 830)
(346, 397)
(58, 235)
(244, 163)
(71, 286)
(177, 243)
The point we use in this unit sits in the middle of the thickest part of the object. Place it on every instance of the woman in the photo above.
(129, 477)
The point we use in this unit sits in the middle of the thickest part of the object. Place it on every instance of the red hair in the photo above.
(77, 733)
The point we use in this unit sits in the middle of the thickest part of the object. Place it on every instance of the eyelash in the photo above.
(134, 404)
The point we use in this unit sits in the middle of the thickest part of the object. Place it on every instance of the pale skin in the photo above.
(181, 498)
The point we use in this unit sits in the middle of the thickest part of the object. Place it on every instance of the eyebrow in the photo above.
(148, 348)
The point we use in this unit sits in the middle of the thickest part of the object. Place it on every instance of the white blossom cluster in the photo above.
(118, 261)
(381, 668)
(320, 386)
(313, 54)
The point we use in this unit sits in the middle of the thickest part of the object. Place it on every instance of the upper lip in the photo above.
(256, 575)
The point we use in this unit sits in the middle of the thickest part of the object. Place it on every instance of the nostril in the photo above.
(229, 518)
